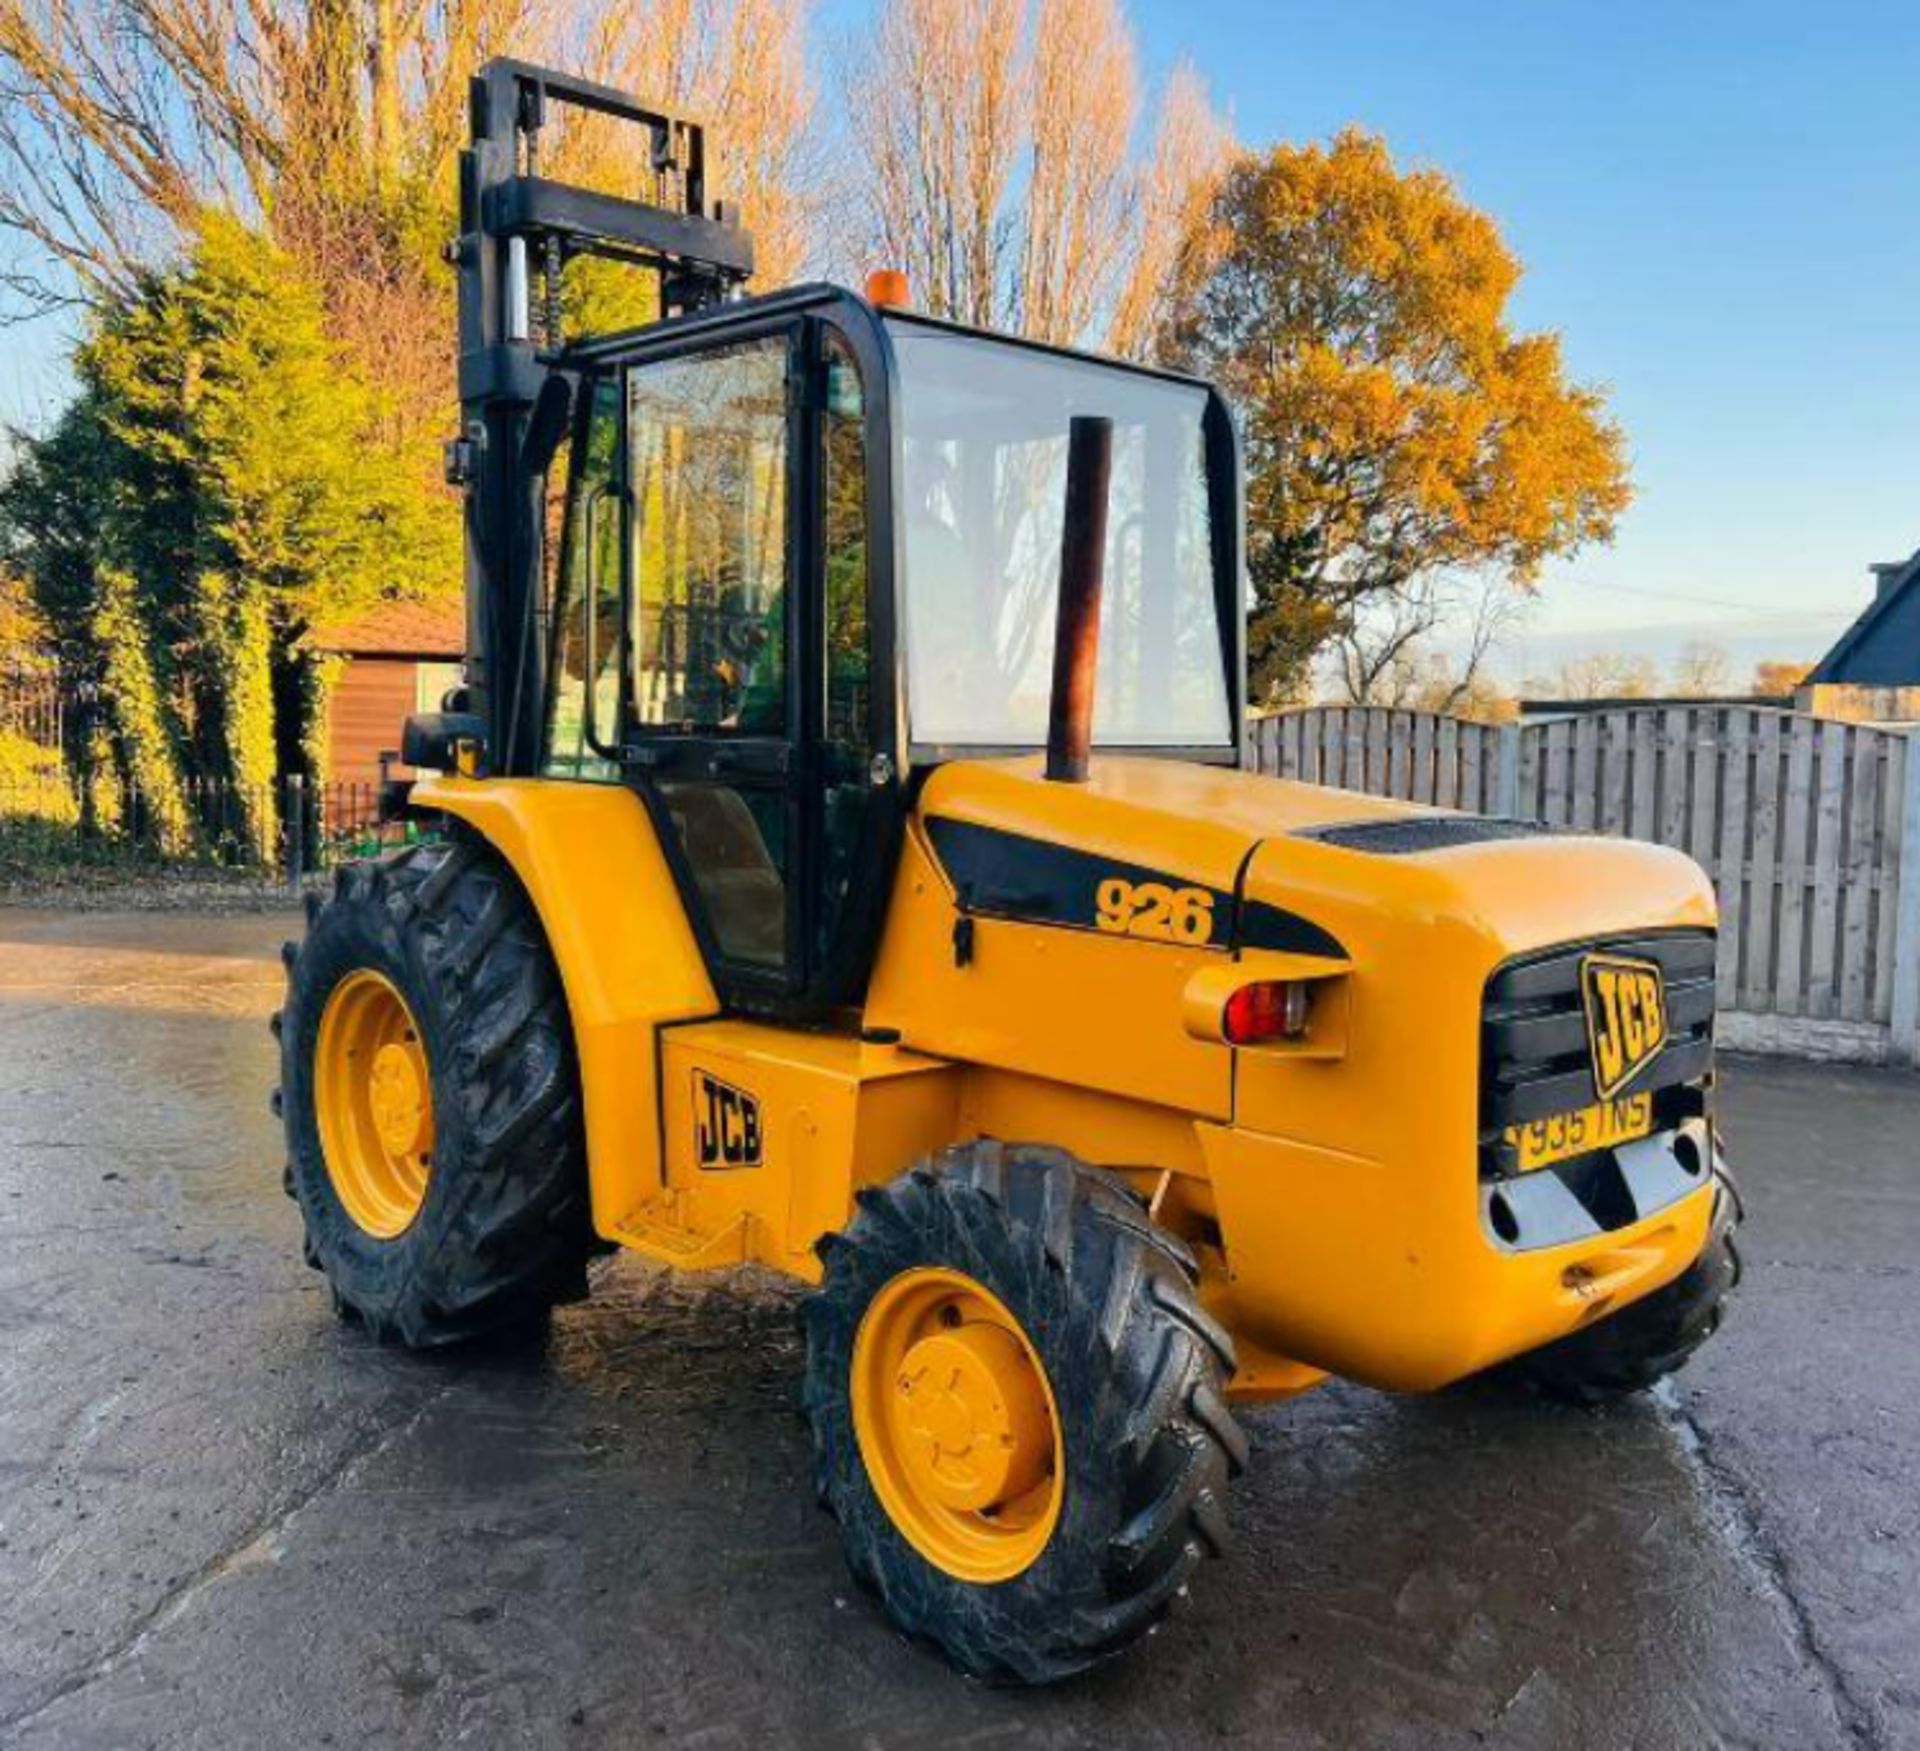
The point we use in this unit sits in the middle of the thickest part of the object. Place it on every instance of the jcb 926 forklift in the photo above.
(845, 864)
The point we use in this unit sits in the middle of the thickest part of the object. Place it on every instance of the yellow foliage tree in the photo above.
(1399, 432)
(1778, 680)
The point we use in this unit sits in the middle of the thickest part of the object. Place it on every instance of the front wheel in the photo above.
(431, 1100)
(1017, 1410)
(1641, 1345)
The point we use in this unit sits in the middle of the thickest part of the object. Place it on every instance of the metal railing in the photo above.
(34, 704)
(278, 831)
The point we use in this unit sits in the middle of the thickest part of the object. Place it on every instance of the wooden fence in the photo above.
(1810, 829)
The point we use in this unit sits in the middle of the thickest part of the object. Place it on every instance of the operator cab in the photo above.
(805, 546)
(811, 548)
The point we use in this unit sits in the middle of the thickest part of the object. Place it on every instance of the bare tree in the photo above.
(737, 64)
(330, 123)
(1082, 100)
(1001, 166)
(936, 107)
(92, 163)
(1599, 675)
(1172, 192)
(1702, 670)
(1436, 681)
(1384, 657)
(772, 161)
(335, 124)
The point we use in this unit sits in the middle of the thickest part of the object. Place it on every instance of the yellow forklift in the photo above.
(843, 862)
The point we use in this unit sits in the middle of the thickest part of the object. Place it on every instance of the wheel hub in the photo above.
(373, 1103)
(395, 1094)
(972, 1417)
(957, 1425)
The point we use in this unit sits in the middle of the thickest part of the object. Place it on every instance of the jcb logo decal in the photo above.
(1626, 1018)
(726, 1124)
(1154, 910)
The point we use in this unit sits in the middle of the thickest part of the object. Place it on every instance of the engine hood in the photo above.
(1196, 822)
(1287, 865)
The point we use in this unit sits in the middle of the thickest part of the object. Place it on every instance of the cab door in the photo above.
(750, 698)
(715, 576)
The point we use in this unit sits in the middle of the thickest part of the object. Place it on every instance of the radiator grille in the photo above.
(1534, 1052)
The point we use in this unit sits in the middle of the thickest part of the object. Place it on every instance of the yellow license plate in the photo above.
(1566, 1135)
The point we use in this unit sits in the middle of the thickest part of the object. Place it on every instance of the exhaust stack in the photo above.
(1076, 640)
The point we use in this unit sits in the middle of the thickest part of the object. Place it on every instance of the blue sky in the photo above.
(1719, 208)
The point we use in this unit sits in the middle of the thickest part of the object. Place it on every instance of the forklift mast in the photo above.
(516, 389)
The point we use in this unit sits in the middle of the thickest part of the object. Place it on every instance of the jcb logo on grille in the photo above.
(1626, 1018)
(726, 1123)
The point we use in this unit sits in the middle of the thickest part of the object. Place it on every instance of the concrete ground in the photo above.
(227, 1520)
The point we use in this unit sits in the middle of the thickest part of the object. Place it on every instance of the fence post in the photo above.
(1506, 779)
(1906, 915)
(296, 831)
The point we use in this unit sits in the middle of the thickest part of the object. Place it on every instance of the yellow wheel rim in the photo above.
(957, 1425)
(374, 1100)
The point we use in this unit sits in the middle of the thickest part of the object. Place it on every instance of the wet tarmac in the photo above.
(227, 1520)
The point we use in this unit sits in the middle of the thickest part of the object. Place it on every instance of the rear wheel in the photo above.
(1017, 1409)
(1641, 1345)
(430, 1099)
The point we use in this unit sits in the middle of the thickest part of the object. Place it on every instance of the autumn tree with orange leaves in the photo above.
(1404, 442)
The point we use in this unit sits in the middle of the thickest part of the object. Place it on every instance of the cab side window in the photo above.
(583, 708)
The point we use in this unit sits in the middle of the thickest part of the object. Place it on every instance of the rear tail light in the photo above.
(1275, 1009)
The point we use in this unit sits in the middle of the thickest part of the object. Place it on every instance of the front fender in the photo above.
(591, 862)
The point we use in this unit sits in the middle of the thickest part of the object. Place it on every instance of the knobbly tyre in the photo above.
(843, 862)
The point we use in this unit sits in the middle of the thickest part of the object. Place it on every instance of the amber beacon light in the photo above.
(888, 288)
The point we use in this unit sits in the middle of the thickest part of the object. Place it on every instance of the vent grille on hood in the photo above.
(1407, 835)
